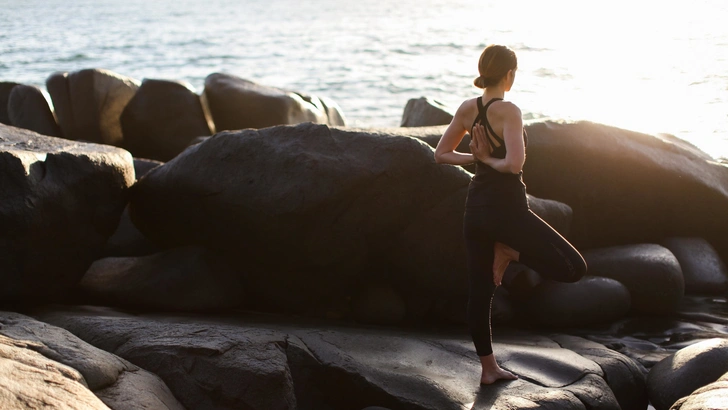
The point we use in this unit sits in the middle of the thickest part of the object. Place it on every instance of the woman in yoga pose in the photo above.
(498, 225)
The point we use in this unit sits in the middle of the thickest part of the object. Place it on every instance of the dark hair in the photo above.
(494, 64)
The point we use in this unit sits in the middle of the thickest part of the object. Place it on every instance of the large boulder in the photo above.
(627, 187)
(310, 207)
(678, 375)
(713, 396)
(650, 272)
(28, 108)
(89, 102)
(35, 348)
(702, 267)
(6, 87)
(61, 200)
(590, 300)
(187, 278)
(162, 119)
(424, 111)
(236, 103)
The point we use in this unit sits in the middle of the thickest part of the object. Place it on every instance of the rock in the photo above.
(188, 278)
(695, 366)
(623, 375)
(109, 376)
(627, 187)
(589, 301)
(713, 396)
(703, 270)
(650, 272)
(290, 363)
(28, 108)
(144, 165)
(236, 104)
(380, 305)
(61, 201)
(89, 102)
(5, 89)
(310, 207)
(127, 240)
(424, 111)
(162, 119)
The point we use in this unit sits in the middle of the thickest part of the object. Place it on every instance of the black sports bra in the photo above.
(499, 151)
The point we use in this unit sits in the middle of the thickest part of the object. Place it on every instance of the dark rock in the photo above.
(188, 278)
(713, 396)
(380, 305)
(5, 89)
(688, 369)
(127, 240)
(623, 375)
(703, 270)
(143, 165)
(626, 187)
(89, 102)
(424, 111)
(590, 300)
(118, 383)
(650, 272)
(309, 207)
(61, 201)
(28, 108)
(162, 118)
(237, 104)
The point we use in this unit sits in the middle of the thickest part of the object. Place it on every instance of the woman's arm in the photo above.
(445, 152)
(513, 136)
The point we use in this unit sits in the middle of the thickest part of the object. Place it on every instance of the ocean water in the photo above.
(645, 65)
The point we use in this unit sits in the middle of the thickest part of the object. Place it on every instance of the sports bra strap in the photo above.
(482, 114)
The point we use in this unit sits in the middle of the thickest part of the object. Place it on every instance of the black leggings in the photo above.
(541, 249)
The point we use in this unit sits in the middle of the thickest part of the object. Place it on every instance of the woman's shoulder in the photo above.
(506, 109)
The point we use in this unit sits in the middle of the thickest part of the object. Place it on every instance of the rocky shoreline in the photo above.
(244, 248)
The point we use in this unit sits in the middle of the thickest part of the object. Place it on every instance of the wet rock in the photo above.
(237, 104)
(118, 383)
(6, 88)
(28, 108)
(703, 270)
(688, 369)
(618, 183)
(713, 396)
(650, 272)
(61, 201)
(623, 375)
(310, 207)
(590, 300)
(89, 102)
(188, 278)
(162, 118)
(424, 111)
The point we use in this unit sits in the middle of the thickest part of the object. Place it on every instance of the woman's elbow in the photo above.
(438, 158)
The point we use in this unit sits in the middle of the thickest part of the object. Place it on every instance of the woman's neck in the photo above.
(494, 92)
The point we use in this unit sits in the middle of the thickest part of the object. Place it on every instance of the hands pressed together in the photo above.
(479, 146)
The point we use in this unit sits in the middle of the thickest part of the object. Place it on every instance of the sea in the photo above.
(644, 65)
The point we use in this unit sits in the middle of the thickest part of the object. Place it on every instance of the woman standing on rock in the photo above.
(499, 227)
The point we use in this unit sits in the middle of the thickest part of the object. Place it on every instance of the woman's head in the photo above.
(495, 63)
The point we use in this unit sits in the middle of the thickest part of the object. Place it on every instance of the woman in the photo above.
(498, 225)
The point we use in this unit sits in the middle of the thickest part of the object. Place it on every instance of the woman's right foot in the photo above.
(496, 375)
(502, 256)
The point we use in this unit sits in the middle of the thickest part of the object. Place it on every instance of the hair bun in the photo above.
(479, 82)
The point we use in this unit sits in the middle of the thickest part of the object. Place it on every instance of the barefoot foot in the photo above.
(499, 374)
(502, 256)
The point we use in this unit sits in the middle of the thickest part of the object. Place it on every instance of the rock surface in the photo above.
(650, 272)
(61, 201)
(627, 187)
(6, 87)
(713, 396)
(236, 104)
(688, 369)
(69, 369)
(703, 270)
(28, 108)
(315, 365)
(188, 278)
(424, 111)
(89, 102)
(311, 207)
(162, 119)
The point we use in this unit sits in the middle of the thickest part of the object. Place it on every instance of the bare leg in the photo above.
(493, 372)
(503, 255)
